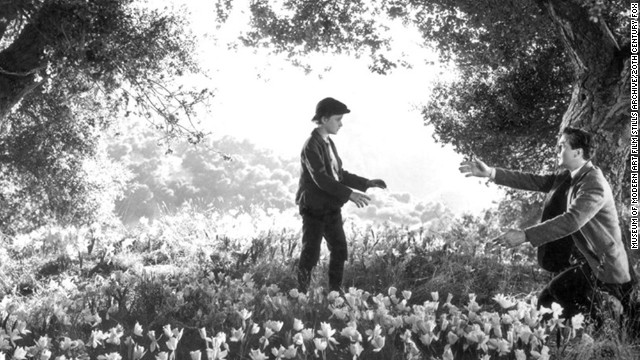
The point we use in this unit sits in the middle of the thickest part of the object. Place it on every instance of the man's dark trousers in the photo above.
(577, 290)
(315, 225)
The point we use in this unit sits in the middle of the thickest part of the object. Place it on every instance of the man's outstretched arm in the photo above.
(513, 179)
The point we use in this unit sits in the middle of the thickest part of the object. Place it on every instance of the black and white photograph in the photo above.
(316, 179)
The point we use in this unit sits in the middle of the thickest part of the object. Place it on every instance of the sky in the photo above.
(264, 99)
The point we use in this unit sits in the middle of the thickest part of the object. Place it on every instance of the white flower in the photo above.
(297, 325)
(245, 314)
(375, 332)
(320, 344)
(290, 352)
(178, 333)
(276, 326)
(507, 319)
(503, 301)
(44, 342)
(339, 313)
(392, 291)
(352, 333)
(257, 355)
(138, 352)
(520, 354)
(449, 298)
(543, 355)
(307, 334)
(221, 338)
(162, 356)
(448, 354)
(45, 354)
(435, 296)
(195, 355)
(137, 329)
(115, 334)
(215, 353)
(278, 353)
(501, 345)
(378, 343)
(427, 338)
(577, 321)
(268, 333)
(110, 356)
(172, 344)
(473, 305)
(294, 293)
(325, 330)
(298, 339)
(68, 344)
(167, 331)
(355, 349)
(154, 342)
(452, 338)
(524, 333)
(20, 353)
(236, 335)
(406, 294)
(246, 278)
(557, 310)
(96, 338)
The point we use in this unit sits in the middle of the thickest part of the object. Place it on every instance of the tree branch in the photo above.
(582, 36)
(27, 73)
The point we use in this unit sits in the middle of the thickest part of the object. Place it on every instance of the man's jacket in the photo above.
(318, 189)
(591, 218)
(556, 256)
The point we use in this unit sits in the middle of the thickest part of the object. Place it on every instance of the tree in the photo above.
(527, 67)
(69, 70)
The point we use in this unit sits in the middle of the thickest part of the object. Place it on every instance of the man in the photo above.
(323, 188)
(590, 219)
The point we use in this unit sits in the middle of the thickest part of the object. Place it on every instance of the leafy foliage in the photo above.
(68, 71)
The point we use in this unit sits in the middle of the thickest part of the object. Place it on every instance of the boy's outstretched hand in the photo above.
(475, 167)
(376, 183)
(361, 200)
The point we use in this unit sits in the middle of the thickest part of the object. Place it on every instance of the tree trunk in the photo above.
(600, 102)
(601, 92)
(18, 65)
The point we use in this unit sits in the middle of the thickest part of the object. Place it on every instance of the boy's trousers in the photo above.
(317, 224)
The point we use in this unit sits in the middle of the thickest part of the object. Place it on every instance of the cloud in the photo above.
(399, 208)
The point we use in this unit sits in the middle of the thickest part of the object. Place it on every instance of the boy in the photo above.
(323, 188)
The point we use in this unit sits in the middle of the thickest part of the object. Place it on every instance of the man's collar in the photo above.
(575, 174)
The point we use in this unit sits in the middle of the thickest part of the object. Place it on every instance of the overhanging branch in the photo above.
(22, 74)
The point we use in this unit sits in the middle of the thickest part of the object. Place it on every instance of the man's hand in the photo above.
(376, 183)
(475, 167)
(361, 200)
(511, 238)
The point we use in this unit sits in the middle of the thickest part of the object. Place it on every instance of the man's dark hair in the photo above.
(580, 139)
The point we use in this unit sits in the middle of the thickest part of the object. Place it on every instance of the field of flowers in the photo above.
(204, 285)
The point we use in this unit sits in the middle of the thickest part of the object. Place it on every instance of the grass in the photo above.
(189, 270)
